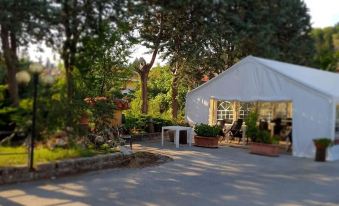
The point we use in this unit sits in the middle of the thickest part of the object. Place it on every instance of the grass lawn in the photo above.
(41, 155)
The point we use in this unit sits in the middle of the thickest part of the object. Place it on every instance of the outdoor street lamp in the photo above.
(23, 77)
(35, 69)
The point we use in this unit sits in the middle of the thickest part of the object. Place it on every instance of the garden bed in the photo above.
(17, 156)
(79, 165)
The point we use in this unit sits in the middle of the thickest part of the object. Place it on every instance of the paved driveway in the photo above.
(197, 176)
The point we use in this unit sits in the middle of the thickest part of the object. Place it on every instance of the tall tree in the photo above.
(273, 29)
(210, 36)
(79, 21)
(188, 38)
(102, 58)
(72, 24)
(327, 48)
(20, 21)
(149, 21)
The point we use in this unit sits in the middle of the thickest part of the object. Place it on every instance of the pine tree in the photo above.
(21, 22)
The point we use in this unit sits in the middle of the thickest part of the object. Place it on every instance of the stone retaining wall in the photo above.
(62, 168)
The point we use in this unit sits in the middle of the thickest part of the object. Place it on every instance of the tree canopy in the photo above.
(327, 48)
(196, 38)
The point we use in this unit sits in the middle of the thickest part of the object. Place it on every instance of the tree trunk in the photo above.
(144, 92)
(69, 79)
(8, 42)
(70, 23)
(66, 58)
(145, 69)
(175, 103)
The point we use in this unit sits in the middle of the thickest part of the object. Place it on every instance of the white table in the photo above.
(177, 129)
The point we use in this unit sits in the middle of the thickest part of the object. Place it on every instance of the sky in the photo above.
(323, 13)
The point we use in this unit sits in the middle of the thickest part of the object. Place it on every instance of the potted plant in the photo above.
(264, 144)
(251, 125)
(321, 145)
(84, 118)
(206, 135)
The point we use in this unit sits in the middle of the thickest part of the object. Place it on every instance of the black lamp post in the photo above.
(35, 69)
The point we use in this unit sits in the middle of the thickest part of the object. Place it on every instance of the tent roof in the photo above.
(316, 79)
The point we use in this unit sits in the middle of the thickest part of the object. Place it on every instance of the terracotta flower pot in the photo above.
(264, 149)
(84, 119)
(320, 154)
(321, 146)
(210, 142)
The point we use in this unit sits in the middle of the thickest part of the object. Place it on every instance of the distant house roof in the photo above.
(205, 78)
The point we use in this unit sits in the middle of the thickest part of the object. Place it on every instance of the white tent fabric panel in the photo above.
(311, 119)
(323, 81)
(253, 80)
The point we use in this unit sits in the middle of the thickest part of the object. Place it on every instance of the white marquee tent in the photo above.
(313, 93)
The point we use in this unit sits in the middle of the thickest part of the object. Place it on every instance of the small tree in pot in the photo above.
(321, 145)
(207, 136)
(251, 123)
(264, 144)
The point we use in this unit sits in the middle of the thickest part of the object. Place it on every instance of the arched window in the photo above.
(225, 111)
(245, 109)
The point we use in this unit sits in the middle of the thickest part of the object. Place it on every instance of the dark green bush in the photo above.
(251, 123)
(265, 137)
(159, 123)
(142, 122)
(323, 142)
(257, 135)
(206, 130)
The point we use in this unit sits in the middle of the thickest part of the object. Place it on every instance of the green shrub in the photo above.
(206, 130)
(275, 140)
(136, 122)
(257, 135)
(160, 122)
(141, 122)
(323, 142)
(265, 137)
(251, 123)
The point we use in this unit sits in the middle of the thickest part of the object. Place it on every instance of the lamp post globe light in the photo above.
(35, 69)
(23, 77)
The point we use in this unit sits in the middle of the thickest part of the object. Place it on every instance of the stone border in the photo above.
(67, 167)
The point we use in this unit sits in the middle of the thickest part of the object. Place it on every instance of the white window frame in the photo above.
(225, 110)
(245, 109)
